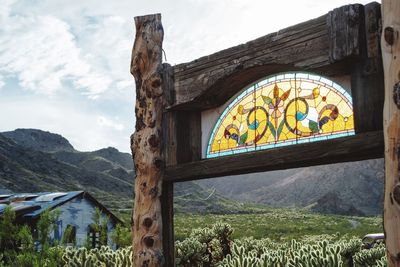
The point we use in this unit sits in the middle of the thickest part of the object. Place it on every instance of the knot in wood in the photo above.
(148, 241)
(158, 162)
(153, 141)
(148, 222)
(396, 94)
(389, 35)
(153, 192)
(396, 194)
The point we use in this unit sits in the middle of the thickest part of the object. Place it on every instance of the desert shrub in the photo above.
(373, 257)
(103, 256)
(191, 253)
(121, 236)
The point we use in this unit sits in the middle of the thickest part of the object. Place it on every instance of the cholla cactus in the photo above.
(102, 257)
(217, 241)
(295, 254)
(382, 262)
(370, 257)
(191, 253)
(348, 248)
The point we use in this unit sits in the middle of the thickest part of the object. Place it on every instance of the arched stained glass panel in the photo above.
(281, 110)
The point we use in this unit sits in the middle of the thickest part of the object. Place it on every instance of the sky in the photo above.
(64, 64)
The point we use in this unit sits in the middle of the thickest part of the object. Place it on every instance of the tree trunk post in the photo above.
(147, 143)
(391, 120)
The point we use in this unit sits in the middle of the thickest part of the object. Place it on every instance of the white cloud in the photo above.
(2, 83)
(104, 121)
(43, 53)
(81, 50)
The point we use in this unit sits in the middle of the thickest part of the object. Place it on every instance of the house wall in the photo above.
(79, 212)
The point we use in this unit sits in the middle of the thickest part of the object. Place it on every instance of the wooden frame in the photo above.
(343, 42)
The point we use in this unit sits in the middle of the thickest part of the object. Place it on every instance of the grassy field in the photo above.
(277, 224)
(280, 224)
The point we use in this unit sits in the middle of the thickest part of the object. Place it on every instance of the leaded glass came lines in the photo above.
(284, 109)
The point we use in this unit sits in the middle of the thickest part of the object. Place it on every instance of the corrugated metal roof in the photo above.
(35, 203)
(50, 200)
(50, 197)
(31, 205)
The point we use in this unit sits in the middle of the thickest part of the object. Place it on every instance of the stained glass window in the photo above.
(281, 110)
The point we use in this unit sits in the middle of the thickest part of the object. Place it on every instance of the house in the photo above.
(76, 213)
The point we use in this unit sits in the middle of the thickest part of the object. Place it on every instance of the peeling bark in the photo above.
(146, 142)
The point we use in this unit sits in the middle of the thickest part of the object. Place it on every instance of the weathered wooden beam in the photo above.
(167, 209)
(317, 45)
(352, 148)
(391, 55)
(344, 31)
(147, 143)
(367, 73)
(170, 155)
(188, 136)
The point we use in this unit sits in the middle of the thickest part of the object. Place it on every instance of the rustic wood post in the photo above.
(146, 143)
(391, 117)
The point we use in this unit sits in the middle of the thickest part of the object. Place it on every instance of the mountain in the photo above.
(39, 140)
(191, 197)
(356, 186)
(30, 164)
(23, 169)
(331, 203)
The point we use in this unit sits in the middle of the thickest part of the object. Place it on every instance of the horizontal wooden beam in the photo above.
(313, 45)
(361, 146)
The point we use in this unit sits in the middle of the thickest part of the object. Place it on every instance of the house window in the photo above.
(97, 235)
(280, 110)
(94, 237)
(69, 237)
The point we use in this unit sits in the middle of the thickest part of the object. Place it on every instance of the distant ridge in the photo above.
(34, 160)
(351, 188)
(39, 140)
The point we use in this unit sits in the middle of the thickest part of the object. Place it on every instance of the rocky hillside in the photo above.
(39, 140)
(30, 164)
(34, 160)
(24, 169)
(348, 188)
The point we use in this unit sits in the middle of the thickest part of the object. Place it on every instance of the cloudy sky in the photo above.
(64, 64)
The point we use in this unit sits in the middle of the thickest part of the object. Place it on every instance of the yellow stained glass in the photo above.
(280, 110)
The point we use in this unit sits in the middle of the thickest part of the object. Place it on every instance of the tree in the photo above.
(121, 236)
(8, 229)
(46, 223)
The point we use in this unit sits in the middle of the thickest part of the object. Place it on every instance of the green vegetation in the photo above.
(104, 256)
(280, 224)
(17, 247)
(215, 247)
(273, 238)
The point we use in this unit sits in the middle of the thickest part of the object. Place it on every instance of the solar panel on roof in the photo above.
(50, 197)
